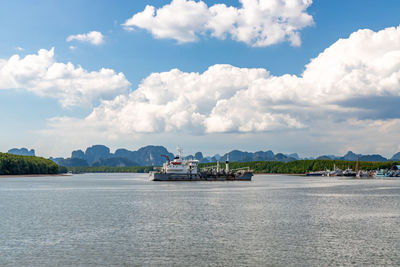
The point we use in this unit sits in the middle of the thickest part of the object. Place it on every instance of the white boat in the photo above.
(380, 174)
(176, 170)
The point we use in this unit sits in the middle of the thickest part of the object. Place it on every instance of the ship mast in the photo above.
(227, 164)
(358, 164)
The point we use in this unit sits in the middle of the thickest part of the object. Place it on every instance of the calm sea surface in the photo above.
(123, 219)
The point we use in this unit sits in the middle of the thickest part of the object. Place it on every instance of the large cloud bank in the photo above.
(41, 74)
(256, 22)
(339, 85)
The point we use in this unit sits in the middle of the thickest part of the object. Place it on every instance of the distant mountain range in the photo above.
(240, 156)
(352, 156)
(100, 155)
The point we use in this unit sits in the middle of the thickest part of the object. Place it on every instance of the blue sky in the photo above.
(31, 117)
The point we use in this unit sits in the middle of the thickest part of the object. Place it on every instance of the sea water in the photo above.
(124, 219)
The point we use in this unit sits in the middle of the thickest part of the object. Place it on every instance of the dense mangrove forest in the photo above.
(14, 164)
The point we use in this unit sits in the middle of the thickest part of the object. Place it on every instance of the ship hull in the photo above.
(157, 176)
(246, 176)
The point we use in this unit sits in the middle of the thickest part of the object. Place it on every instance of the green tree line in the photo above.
(303, 166)
(135, 169)
(14, 164)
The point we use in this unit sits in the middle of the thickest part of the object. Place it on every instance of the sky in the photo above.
(312, 77)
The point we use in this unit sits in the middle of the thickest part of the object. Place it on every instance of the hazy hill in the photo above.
(240, 156)
(115, 162)
(96, 153)
(145, 156)
(70, 162)
(99, 155)
(22, 152)
(396, 156)
(354, 157)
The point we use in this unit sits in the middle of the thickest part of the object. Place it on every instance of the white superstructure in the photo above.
(179, 165)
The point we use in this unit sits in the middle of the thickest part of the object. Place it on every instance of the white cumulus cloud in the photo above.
(93, 37)
(41, 74)
(256, 22)
(340, 89)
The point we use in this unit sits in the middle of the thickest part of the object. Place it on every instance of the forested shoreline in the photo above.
(259, 167)
(15, 164)
(303, 166)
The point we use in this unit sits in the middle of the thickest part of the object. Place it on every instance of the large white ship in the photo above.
(180, 169)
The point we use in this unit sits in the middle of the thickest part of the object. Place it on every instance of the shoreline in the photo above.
(65, 174)
(68, 174)
(288, 174)
(31, 175)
